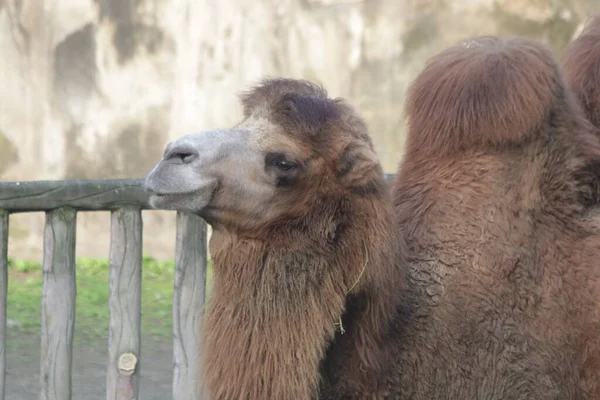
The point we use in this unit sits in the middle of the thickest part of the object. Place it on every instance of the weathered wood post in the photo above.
(58, 304)
(3, 291)
(188, 304)
(124, 339)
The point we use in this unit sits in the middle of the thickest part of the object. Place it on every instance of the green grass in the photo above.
(91, 319)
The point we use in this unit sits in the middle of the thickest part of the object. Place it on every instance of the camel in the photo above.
(496, 199)
(304, 245)
(474, 277)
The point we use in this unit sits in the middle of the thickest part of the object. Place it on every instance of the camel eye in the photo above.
(285, 166)
(280, 161)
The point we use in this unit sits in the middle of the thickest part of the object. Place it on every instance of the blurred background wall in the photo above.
(94, 89)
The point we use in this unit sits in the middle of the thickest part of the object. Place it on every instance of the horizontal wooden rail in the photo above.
(85, 195)
(81, 195)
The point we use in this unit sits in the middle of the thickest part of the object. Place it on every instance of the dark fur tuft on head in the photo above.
(295, 105)
(299, 112)
(269, 89)
(581, 66)
(484, 91)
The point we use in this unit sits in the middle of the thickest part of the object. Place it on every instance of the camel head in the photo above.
(292, 144)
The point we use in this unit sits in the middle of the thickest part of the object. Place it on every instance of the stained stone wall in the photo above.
(95, 88)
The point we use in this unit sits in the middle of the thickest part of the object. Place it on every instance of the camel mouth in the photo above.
(170, 197)
(164, 194)
(170, 187)
(172, 194)
(164, 198)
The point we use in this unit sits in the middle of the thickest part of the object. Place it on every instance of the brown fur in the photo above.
(281, 287)
(497, 201)
(469, 90)
(582, 69)
(503, 243)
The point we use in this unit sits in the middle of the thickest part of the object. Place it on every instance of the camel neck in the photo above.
(272, 313)
(359, 355)
(277, 301)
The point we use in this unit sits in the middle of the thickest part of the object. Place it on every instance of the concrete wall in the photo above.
(95, 88)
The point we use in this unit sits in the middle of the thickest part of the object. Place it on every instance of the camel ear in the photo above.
(358, 166)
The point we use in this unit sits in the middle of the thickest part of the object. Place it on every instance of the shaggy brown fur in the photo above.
(582, 69)
(492, 196)
(475, 83)
(496, 198)
(281, 287)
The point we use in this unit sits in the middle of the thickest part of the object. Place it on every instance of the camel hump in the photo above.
(581, 64)
(481, 92)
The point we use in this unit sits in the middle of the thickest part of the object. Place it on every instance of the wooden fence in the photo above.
(125, 199)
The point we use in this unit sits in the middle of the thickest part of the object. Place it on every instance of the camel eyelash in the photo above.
(280, 161)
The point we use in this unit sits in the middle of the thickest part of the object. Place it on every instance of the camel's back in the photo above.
(502, 278)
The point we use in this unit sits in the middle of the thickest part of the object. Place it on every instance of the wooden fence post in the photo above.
(125, 198)
(124, 339)
(188, 304)
(58, 304)
(3, 290)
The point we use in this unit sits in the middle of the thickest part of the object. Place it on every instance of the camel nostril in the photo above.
(186, 157)
(181, 157)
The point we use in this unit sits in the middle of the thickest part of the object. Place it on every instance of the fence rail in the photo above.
(125, 199)
(85, 195)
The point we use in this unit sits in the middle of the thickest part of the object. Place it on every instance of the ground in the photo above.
(89, 369)
(90, 351)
